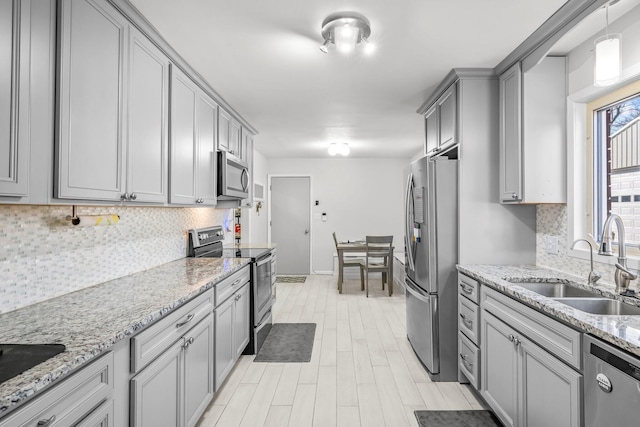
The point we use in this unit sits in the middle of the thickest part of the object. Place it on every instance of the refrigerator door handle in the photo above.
(417, 292)
(408, 232)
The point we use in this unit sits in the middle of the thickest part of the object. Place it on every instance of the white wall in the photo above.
(359, 196)
(256, 220)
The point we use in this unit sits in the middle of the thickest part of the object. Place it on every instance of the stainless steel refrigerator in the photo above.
(431, 253)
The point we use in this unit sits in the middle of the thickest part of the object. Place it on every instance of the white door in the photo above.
(290, 223)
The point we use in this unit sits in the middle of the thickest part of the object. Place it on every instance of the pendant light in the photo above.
(608, 61)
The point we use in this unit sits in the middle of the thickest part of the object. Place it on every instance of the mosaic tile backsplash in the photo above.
(551, 220)
(43, 256)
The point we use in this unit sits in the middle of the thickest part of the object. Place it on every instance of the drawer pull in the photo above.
(516, 341)
(45, 423)
(189, 319)
(237, 282)
(466, 321)
(511, 337)
(465, 361)
(465, 289)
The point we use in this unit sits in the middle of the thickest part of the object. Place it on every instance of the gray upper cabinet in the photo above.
(441, 122)
(193, 130)
(113, 100)
(229, 133)
(93, 41)
(510, 137)
(147, 144)
(246, 154)
(14, 97)
(533, 133)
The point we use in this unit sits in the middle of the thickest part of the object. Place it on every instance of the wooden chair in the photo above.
(352, 262)
(379, 258)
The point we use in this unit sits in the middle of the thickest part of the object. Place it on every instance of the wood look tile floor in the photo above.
(363, 371)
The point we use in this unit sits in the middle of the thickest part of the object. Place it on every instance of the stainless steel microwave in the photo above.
(233, 177)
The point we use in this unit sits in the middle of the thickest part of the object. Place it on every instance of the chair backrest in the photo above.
(335, 239)
(378, 246)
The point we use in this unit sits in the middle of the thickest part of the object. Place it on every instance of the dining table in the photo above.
(358, 246)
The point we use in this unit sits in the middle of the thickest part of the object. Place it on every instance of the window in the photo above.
(616, 161)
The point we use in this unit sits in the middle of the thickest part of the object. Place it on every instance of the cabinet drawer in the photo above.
(72, 400)
(468, 319)
(469, 360)
(558, 339)
(100, 417)
(469, 288)
(231, 284)
(154, 340)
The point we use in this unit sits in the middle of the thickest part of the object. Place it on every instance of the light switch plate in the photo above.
(552, 245)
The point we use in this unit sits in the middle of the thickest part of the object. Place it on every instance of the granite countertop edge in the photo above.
(621, 331)
(16, 391)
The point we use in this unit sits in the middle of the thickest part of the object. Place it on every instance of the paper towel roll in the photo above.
(95, 220)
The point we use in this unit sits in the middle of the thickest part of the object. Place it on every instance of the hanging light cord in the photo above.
(606, 27)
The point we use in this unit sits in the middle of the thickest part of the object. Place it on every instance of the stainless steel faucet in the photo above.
(622, 275)
(593, 275)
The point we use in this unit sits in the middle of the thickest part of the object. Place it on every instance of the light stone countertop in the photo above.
(90, 321)
(621, 331)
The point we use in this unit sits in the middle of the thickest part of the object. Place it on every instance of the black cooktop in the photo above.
(17, 358)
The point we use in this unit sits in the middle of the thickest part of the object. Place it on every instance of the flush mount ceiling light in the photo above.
(339, 148)
(345, 30)
(607, 63)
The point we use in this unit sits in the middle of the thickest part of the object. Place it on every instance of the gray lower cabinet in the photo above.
(113, 108)
(83, 399)
(232, 331)
(469, 330)
(523, 383)
(193, 131)
(176, 387)
(14, 97)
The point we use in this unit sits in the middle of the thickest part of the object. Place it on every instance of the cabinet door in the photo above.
(225, 351)
(499, 368)
(510, 134)
(156, 392)
(207, 118)
(198, 370)
(246, 153)
(241, 327)
(549, 389)
(14, 97)
(431, 129)
(447, 117)
(90, 90)
(234, 137)
(147, 160)
(224, 124)
(183, 139)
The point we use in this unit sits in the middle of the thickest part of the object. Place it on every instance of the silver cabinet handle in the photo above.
(514, 196)
(466, 321)
(511, 338)
(133, 196)
(125, 196)
(517, 341)
(464, 359)
(188, 342)
(466, 290)
(187, 320)
(236, 283)
(45, 423)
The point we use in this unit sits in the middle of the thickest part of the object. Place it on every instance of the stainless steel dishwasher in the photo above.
(612, 385)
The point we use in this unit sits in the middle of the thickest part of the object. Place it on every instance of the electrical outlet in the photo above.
(552, 245)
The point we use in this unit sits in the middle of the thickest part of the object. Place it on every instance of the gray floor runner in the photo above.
(288, 343)
(457, 419)
(291, 279)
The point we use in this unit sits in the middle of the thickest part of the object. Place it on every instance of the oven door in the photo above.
(262, 287)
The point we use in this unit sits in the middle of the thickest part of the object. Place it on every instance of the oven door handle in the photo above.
(263, 261)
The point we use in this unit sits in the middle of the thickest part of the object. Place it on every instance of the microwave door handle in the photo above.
(244, 179)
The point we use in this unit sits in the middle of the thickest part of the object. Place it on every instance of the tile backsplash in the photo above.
(43, 256)
(551, 220)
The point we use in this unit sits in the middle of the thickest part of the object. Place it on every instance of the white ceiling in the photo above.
(263, 58)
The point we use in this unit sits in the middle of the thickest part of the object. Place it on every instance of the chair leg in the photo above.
(384, 279)
(367, 283)
(361, 278)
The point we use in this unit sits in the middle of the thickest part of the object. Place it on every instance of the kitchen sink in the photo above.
(17, 358)
(603, 306)
(556, 290)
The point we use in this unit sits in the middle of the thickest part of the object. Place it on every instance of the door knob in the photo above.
(306, 231)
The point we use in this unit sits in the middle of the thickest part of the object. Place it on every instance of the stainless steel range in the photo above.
(207, 243)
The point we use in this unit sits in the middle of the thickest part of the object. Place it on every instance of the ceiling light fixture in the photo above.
(339, 148)
(345, 30)
(608, 62)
